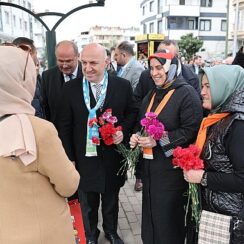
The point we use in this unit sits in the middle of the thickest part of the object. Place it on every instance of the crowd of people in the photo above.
(52, 148)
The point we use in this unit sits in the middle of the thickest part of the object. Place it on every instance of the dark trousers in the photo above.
(90, 202)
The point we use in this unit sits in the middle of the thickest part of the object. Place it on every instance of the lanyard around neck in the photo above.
(86, 92)
(162, 103)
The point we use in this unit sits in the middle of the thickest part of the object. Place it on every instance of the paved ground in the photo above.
(129, 227)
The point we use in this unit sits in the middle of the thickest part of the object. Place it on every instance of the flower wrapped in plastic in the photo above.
(187, 159)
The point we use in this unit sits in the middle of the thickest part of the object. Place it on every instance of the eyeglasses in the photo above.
(25, 48)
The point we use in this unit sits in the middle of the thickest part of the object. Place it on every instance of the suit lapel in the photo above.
(127, 69)
(79, 72)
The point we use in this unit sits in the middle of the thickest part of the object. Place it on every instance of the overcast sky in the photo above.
(123, 13)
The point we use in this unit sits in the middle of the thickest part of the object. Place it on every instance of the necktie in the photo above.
(70, 76)
(98, 90)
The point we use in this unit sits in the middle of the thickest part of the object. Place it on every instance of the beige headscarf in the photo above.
(16, 132)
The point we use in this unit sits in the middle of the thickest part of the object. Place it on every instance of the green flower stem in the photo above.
(195, 204)
(131, 157)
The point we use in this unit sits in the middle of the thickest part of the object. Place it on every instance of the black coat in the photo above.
(163, 185)
(97, 173)
(224, 160)
(51, 89)
(37, 99)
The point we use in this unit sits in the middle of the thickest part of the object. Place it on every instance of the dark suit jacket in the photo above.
(146, 82)
(52, 84)
(97, 173)
(37, 99)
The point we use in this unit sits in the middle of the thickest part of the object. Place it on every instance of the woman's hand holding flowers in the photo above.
(134, 140)
(146, 142)
(193, 176)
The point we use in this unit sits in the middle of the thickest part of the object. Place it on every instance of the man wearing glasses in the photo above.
(68, 67)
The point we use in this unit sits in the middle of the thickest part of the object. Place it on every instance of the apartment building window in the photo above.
(241, 20)
(205, 25)
(160, 26)
(143, 10)
(191, 24)
(14, 20)
(29, 5)
(20, 23)
(1, 23)
(182, 23)
(223, 25)
(7, 17)
(25, 25)
(182, 2)
(151, 28)
(160, 6)
(206, 3)
(144, 29)
(151, 6)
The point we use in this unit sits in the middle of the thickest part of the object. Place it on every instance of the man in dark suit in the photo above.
(98, 165)
(68, 67)
(197, 64)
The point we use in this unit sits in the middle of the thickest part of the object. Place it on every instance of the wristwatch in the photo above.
(204, 181)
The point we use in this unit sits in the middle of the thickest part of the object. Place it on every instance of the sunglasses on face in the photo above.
(25, 48)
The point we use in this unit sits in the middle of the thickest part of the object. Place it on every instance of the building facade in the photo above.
(206, 19)
(14, 22)
(107, 36)
(238, 27)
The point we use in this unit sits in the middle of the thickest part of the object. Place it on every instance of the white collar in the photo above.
(74, 73)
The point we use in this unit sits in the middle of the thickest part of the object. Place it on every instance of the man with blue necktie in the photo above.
(88, 98)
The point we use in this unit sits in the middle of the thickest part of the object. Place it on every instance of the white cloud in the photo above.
(123, 13)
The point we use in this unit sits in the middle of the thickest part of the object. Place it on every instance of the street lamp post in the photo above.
(51, 33)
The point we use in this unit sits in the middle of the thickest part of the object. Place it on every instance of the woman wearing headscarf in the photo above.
(221, 138)
(35, 173)
(163, 185)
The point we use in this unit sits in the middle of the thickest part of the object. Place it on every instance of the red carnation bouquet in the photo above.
(106, 127)
(187, 159)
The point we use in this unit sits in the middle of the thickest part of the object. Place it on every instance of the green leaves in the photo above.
(189, 45)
